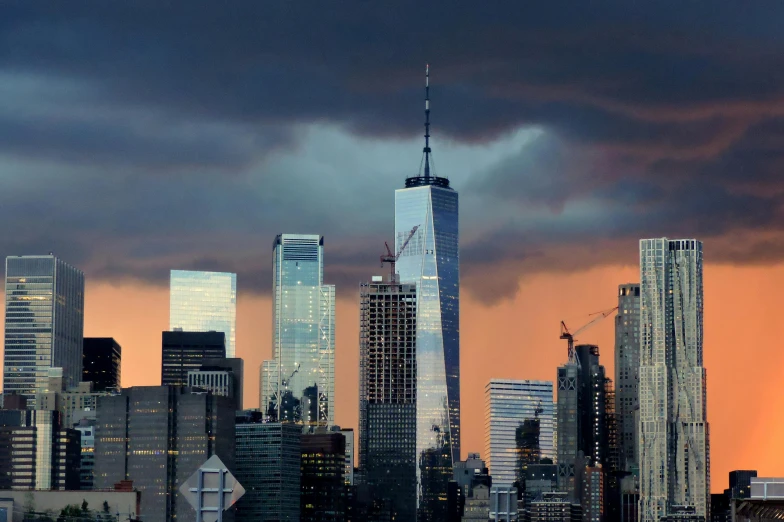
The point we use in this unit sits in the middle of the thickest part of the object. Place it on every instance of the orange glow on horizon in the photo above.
(518, 339)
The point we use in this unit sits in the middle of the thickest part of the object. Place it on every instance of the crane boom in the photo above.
(392, 258)
(569, 336)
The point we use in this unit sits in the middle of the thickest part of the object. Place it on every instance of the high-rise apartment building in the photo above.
(627, 373)
(44, 323)
(101, 359)
(183, 352)
(299, 384)
(268, 458)
(204, 302)
(426, 223)
(568, 429)
(674, 443)
(158, 436)
(388, 391)
(509, 404)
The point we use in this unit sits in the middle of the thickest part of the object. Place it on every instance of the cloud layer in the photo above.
(140, 137)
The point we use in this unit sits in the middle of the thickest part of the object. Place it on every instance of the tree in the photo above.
(85, 509)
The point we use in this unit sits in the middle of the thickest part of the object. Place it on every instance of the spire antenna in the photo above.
(426, 150)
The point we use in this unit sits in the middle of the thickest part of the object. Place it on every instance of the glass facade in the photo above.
(203, 302)
(429, 208)
(268, 467)
(508, 405)
(674, 438)
(303, 338)
(183, 352)
(44, 323)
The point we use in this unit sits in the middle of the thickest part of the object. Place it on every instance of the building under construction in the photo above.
(388, 393)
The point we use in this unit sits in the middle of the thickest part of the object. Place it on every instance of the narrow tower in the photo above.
(431, 262)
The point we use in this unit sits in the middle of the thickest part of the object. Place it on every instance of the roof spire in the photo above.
(426, 150)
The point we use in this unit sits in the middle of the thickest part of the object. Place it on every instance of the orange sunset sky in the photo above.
(519, 339)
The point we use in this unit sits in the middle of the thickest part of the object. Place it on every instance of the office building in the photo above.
(101, 360)
(204, 302)
(426, 223)
(183, 352)
(299, 384)
(268, 458)
(470, 472)
(348, 433)
(555, 507)
(765, 502)
(86, 429)
(74, 404)
(158, 436)
(37, 452)
(222, 377)
(674, 435)
(322, 478)
(627, 369)
(512, 408)
(387, 392)
(44, 323)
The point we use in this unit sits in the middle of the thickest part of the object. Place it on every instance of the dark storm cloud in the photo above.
(138, 137)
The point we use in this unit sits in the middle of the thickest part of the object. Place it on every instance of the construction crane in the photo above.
(538, 410)
(392, 258)
(569, 336)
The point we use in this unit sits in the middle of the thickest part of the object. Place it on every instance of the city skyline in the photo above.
(569, 133)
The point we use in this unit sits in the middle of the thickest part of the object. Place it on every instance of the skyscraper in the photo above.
(299, 385)
(627, 370)
(674, 434)
(426, 221)
(508, 405)
(44, 323)
(101, 359)
(204, 302)
(322, 477)
(387, 392)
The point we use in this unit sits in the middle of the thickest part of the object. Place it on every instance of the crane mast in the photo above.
(569, 336)
(391, 258)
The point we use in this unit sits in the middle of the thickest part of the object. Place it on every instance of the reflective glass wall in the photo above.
(44, 323)
(299, 385)
(203, 302)
(431, 261)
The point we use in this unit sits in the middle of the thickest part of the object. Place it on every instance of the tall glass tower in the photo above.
(674, 437)
(426, 223)
(44, 323)
(203, 302)
(299, 384)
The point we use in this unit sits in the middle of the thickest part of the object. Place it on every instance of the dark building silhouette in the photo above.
(158, 436)
(387, 393)
(186, 351)
(527, 446)
(740, 483)
(101, 363)
(268, 458)
(322, 481)
(36, 452)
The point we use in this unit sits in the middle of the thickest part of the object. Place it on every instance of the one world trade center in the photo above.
(426, 216)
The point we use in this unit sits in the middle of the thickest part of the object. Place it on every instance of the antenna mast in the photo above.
(426, 150)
